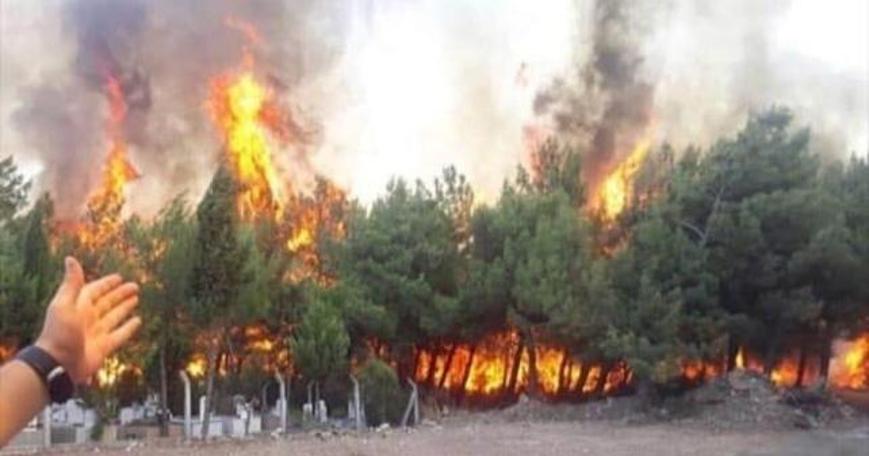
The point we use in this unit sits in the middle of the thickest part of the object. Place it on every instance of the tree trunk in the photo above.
(209, 389)
(801, 369)
(583, 378)
(514, 367)
(403, 368)
(826, 354)
(533, 386)
(732, 353)
(448, 364)
(600, 387)
(467, 374)
(164, 393)
(562, 376)
(432, 366)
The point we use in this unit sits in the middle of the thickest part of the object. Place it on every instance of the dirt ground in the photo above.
(478, 437)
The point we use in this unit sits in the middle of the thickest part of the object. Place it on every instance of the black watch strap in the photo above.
(57, 381)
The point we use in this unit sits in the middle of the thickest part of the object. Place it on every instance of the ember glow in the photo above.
(698, 371)
(850, 368)
(112, 371)
(489, 369)
(197, 366)
(308, 220)
(255, 345)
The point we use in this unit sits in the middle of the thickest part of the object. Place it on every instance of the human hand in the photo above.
(86, 322)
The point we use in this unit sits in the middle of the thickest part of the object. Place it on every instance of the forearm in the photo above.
(22, 396)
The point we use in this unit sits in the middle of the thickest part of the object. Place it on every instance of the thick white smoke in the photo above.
(406, 87)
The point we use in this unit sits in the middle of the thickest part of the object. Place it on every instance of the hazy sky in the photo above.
(425, 83)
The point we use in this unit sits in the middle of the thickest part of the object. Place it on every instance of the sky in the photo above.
(421, 84)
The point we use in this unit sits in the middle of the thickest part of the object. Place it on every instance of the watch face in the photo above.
(61, 388)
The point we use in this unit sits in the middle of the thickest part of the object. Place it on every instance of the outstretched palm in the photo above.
(86, 322)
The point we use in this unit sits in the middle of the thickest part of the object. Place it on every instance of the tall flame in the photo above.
(107, 201)
(615, 192)
(239, 105)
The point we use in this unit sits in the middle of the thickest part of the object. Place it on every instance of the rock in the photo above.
(804, 421)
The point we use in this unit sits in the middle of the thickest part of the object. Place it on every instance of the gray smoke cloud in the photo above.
(692, 72)
(164, 53)
(405, 87)
(607, 104)
(713, 63)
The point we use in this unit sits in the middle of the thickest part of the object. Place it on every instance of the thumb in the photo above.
(73, 278)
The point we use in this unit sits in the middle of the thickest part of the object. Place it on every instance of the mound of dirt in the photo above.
(746, 400)
(741, 400)
(626, 408)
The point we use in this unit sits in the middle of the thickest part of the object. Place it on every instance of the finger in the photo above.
(119, 313)
(73, 280)
(96, 289)
(112, 298)
(121, 335)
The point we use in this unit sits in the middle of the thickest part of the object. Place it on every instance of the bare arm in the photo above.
(85, 322)
(22, 396)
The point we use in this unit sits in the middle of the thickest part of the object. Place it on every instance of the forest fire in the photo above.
(106, 202)
(490, 369)
(241, 105)
(699, 371)
(850, 368)
(112, 371)
(254, 345)
(308, 220)
(614, 194)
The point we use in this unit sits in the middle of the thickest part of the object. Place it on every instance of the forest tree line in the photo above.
(755, 242)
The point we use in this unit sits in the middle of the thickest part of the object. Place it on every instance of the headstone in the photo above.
(322, 412)
(73, 413)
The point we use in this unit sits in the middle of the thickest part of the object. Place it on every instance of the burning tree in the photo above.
(403, 256)
(165, 253)
(221, 271)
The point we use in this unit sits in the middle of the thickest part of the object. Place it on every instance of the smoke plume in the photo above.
(607, 105)
(406, 87)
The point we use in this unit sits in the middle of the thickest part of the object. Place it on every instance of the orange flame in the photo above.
(488, 369)
(309, 219)
(196, 366)
(850, 369)
(107, 201)
(112, 371)
(238, 105)
(258, 346)
(615, 192)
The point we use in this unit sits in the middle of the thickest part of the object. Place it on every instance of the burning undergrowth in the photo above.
(246, 88)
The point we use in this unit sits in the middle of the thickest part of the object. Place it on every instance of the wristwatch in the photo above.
(57, 380)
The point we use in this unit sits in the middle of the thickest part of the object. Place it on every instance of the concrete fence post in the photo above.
(412, 405)
(282, 402)
(357, 404)
(188, 420)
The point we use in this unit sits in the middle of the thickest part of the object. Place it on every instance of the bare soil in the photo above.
(738, 415)
(461, 437)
